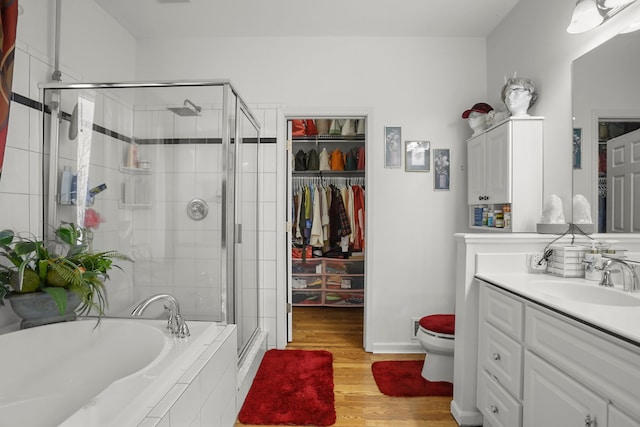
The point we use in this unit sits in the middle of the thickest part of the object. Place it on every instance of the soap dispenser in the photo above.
(592, 263)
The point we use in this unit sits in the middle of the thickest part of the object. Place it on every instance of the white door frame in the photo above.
(283, 177)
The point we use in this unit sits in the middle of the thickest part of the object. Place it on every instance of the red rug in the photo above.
(403, 378)
(292, 387)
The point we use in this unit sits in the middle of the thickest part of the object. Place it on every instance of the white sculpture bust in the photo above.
(477, 117)
(519, 94)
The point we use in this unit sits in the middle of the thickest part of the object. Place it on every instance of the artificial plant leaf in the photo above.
(6, 237)
(23, 248)
(67, 235)
(59, 296)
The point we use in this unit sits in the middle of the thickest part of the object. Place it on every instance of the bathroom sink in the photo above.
(590, 294)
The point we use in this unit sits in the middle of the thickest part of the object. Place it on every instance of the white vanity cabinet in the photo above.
(505, 168)
(538, 367)
(500, 350)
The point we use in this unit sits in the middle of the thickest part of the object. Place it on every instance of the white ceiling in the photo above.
(389, 18)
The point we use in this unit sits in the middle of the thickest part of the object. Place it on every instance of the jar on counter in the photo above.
(490, 219)
(498, 219)
(485, 216)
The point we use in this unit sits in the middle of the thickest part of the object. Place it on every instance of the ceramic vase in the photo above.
(38, 308)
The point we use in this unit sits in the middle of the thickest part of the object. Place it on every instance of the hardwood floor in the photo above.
(358, 400)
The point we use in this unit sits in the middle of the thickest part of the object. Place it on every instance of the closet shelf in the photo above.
(328, 138)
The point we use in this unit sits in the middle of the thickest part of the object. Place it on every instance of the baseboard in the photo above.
(465, 419)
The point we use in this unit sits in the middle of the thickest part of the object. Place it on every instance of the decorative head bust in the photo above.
(519, 94)
(477, 116)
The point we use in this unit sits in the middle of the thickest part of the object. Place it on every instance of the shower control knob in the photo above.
(197, 209)
(495, 356)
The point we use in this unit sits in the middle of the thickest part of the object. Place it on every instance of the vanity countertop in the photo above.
(610, 309)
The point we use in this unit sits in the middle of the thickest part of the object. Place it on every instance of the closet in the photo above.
(327, 211)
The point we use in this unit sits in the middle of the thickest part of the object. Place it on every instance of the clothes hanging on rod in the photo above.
(328, 212)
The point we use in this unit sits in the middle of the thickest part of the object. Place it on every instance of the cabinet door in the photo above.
(553, 399)
(498, 164)
(476, 167)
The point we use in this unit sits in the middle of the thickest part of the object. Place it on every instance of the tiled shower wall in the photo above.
(21, 190)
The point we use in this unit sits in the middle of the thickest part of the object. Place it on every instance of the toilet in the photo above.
(436, 334)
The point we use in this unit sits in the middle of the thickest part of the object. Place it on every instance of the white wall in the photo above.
(420, 84)
(532, 41)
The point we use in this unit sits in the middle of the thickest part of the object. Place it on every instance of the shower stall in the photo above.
(168, 173)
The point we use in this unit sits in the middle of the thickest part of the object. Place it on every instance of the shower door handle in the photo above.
(238, 233)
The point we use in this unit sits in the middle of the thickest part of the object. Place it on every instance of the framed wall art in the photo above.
(392, 146)
(442, 168)
(417, 156)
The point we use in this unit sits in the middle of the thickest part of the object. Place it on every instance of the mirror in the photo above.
(606, 104)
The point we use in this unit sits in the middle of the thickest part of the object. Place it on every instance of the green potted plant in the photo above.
(65, 274)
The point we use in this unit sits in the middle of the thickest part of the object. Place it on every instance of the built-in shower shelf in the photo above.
(134, 171)
(123, 205)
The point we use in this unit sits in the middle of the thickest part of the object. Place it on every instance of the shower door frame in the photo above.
(232, 235)
(229, 228)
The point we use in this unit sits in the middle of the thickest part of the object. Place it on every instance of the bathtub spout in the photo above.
(176, 323)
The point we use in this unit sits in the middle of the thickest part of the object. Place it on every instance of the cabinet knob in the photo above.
(494, 409)
(495, 356)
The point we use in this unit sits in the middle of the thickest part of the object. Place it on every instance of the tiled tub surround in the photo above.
(124, 372)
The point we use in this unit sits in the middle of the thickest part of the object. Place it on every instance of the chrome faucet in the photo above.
(176, 323)
(633, 285)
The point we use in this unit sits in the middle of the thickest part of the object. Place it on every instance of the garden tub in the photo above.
(85, 373)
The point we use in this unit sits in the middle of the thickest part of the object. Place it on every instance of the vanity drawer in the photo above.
(501, 356)
(599, 361)
(502, 311)
(498, 407)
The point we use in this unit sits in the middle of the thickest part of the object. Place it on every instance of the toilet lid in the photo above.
(439, 323)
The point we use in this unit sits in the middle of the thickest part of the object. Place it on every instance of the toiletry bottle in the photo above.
(73, 193)
(490, 219)
(65, 186)
(591, 261)
(132, 155)
(507, 216)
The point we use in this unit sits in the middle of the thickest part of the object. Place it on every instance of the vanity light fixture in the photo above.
(586, 16)
(610, 4)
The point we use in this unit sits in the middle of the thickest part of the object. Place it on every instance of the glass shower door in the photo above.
(246, 219)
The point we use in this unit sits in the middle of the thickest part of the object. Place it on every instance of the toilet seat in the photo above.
(439, 325)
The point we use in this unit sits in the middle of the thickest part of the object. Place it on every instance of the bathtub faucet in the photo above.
(176, 323)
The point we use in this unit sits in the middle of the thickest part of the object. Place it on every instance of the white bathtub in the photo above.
(77, 374)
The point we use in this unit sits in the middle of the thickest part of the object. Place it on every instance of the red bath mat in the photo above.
(403, 378)
(292, 387)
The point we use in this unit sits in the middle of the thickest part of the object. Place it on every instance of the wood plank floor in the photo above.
(358, 401)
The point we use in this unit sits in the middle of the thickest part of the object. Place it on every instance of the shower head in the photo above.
(189, 110)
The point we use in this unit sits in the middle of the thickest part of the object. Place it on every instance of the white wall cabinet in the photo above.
(505, 168)
(537, 367)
